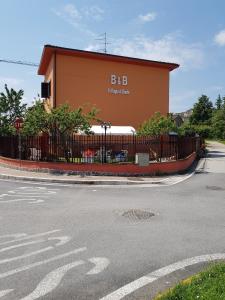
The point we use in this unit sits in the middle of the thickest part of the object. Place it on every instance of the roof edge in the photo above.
(97, 55)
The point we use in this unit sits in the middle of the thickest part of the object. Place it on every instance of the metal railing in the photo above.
(98, 148)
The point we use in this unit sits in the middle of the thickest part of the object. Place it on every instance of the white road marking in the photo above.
(27, 237)
(20, 245)
(3, 261)
(39, 263)
(101, 263)
(51, 281)
(22, 199)
(17, 235)
(35, 193)
(37, 187)
(63, 240)
(36, 183)
(5, 292)
(24, 195)
(37, 201)
(155, 275)
(28, 194)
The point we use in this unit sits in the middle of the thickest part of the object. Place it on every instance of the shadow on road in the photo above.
(215, 154)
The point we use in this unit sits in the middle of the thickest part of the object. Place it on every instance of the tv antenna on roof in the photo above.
(103, 40)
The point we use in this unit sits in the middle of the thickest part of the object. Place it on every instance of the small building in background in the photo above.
(177, 120)
(126, 90)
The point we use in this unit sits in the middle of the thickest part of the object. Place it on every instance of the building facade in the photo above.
(127, 91)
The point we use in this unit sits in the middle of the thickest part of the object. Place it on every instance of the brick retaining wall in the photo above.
(123, 169)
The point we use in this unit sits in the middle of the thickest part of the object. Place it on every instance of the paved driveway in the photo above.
(60, 242)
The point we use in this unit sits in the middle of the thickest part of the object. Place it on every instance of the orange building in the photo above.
(126, 90)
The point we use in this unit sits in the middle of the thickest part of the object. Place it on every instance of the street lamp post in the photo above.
(105, 126)
(18, 125)
(1, 123)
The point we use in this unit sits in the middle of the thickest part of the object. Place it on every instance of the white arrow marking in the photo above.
(34, 193)
(3, 195)
(27, 237)
(31, 196)
(5, 292)
(51, 281)
(37, 187)
(39, 263)
(20, 245)
(37, 201)
(19, 200)
(155, 275)
(63, 240)
(17, 235)
(101, 263)
(26, 255)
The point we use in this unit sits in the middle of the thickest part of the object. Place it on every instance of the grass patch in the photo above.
(207, 285)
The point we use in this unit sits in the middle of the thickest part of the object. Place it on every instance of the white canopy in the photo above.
(114, 130)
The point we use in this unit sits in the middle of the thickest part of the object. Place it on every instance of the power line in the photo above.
(19, 62)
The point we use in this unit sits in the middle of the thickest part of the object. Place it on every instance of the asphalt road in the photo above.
(83, 242)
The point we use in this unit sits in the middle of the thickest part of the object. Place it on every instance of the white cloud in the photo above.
(184, 100)
(147, 18)
(11, 82)
(216, 88)
(94, 12)
(92, 47)
(71, 11)
(169, 48)
(220, 38)
(79, 17)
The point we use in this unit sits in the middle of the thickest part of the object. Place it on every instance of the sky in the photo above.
(190, 33)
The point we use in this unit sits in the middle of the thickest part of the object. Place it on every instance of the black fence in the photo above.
(97, 148)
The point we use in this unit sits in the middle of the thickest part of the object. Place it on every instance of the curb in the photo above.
(201, 165)
(197, 167)
(81, 182)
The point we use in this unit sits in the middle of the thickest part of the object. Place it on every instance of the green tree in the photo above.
(218, 124)
(157, 125)
(36, 120)
(219, 102)
(60, 121)
(11, 107)
(186, 129)
(202, 111)
(223, 103)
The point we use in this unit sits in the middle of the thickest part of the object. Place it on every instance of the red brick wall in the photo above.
(106, 169)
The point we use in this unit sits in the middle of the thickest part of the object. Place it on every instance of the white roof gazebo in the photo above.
(114, 130)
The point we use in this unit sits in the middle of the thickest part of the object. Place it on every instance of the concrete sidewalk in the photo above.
(15, 174)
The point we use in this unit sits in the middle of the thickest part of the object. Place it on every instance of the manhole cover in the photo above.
(137, 214)
(215, 188)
